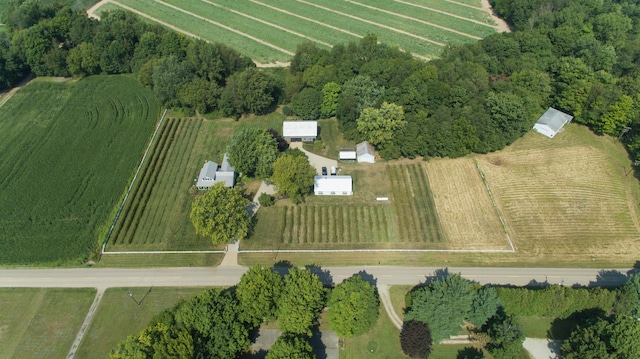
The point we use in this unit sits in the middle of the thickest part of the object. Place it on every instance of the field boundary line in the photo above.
(463, 4)
(85, 323)
(448, 13)
(266, 43)
(373, 250)
(495, 205)
(166, 252)
(372, 23)
(135, 176)
(418, 20)
(268, 23)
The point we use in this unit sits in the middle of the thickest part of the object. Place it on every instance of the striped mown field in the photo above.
(269, 30)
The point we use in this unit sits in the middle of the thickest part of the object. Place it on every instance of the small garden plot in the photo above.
(414, 204)
(467, 215)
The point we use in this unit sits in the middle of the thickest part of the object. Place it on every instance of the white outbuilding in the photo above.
(332, 186)
(551, 122)
(365, 152)
(210, 174)
(347, 154)
(296, 131)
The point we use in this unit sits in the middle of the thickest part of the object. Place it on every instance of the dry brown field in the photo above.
(572, 197)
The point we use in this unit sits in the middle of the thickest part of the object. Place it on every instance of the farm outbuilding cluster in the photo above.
(210, 174)
(551, 122)
(300, 131)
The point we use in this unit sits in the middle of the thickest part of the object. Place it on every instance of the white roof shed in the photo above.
(366, 152)
(551, 122)
(348, 154)
(332, 186)
(299, 129)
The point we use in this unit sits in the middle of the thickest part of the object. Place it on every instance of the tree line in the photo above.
(218, 322)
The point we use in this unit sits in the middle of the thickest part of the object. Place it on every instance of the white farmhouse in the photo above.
(296, 131)
(210, 174)
(551, 122)
(332, 186)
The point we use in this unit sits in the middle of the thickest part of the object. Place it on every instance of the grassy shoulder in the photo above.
(118, 316)
(38, 322)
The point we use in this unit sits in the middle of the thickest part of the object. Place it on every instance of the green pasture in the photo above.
(156, 214)
(68, 150)
(270, 30)
(41, 323)
(146, 260)
(118, 316)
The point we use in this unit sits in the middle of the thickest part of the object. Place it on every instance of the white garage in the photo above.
(332, 186)
(551, 122)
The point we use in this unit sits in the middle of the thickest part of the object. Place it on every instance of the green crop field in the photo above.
(156, 214)
(270, 30)
(41, 323)
(68, 150)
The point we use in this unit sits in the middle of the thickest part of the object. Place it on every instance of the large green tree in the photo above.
(330, 93)
(252, 152)
(353, 307)
(250, 91)
(258, 293)
(306, 104)
(291, 346)
(379, 126)
(612, 338)
(156, 341)
(293, 176)
(301, 301)
(221, 214)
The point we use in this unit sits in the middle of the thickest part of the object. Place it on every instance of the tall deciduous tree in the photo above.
(614, 338)
(353, 307)
(290, 346)
(307, 103)
(249, 91)
(252, 152)
(258, 293)
(379, 126)
(293, 176)
(506, 336)
(330, 93)
(221, 214)
(301, 302)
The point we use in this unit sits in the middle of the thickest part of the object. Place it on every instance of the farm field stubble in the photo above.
(39, 322)
(68, 150)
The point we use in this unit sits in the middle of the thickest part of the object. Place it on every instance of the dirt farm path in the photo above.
(501, 25)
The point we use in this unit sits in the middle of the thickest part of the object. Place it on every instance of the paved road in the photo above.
(224, 276)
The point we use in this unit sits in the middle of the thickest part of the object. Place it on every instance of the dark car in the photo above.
(324, 171)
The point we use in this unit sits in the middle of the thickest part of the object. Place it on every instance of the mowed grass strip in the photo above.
(39, 322)
(67, 158)
(472, 24)
(467, 216)
(413, 201)
(118, 316)
(569, 195)
(207, 31)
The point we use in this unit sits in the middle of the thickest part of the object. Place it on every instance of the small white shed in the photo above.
(296, 131)
(347, 154)
(365, 152)
(332, 186)
(551, 122)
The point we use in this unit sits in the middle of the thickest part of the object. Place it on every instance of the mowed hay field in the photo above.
(156, 214)
(269, 30)
(573, 197)
(39, 322)
(68, 150)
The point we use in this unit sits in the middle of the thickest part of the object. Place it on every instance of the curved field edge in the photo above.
(68, 150)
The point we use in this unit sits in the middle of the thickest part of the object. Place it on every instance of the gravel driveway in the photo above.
(542, 348)
(316, 161)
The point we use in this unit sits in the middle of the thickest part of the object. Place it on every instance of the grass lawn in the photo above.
(41, 323)
(160, 260)
(68, 155)
(118, 316)
(156, 215)
(331, 139)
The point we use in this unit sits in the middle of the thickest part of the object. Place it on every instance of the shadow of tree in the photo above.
(608, 278)
(469, 353)
(561, 328)
(323, 274)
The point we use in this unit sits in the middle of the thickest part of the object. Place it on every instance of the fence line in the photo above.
(144, 156)
(495, 205)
